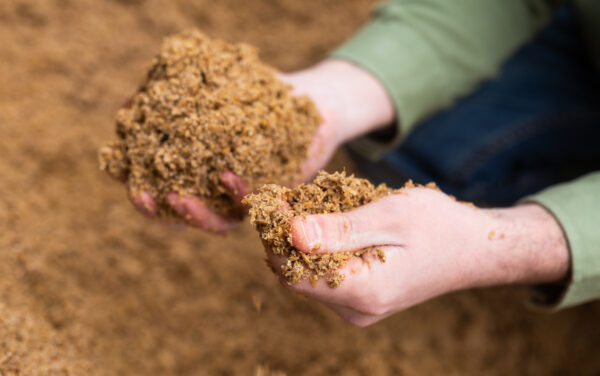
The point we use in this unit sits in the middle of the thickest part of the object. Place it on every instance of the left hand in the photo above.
(433, 245)
(351, 102)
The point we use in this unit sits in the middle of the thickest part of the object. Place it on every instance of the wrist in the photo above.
(525, 245)
(349, 98)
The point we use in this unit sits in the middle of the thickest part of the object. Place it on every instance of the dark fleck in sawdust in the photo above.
(207, 107)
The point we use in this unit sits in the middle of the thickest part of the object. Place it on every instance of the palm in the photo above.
(193, 210)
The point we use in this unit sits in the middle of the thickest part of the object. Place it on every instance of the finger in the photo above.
(364, 296)
(352, 316)
(344, 295)
(195, 212)
(368, 225)
(145, 204)
(235, 186)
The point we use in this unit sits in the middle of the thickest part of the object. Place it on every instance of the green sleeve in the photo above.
(576, 205)
(429, 52)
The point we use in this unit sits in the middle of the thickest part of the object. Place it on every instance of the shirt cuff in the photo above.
(576, 205)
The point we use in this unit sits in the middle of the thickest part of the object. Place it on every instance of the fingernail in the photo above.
(144, 203)
(312, 233)
(147, 210)
(175, 201)
(234, 185)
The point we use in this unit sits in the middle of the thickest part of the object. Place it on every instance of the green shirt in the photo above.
(428, 53)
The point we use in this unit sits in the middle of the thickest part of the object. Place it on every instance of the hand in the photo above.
(433, 245)
(193, 210)
(351, 102)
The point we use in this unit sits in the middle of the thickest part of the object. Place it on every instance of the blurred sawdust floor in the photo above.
(87, 286)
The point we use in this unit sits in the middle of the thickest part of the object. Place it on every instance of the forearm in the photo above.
(525, 245)
(429, 53)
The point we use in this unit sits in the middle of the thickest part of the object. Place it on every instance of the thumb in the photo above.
(369, 225)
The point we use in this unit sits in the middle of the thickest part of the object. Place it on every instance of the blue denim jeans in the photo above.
(534, 125)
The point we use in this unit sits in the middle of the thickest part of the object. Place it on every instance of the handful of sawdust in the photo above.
(207, 107)
(273, 207)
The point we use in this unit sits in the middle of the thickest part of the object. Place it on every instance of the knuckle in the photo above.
(345, 227)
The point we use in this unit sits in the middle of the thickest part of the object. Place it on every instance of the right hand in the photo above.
(351, 103)
(433, 245)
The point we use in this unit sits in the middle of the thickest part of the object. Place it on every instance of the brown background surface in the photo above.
(89, 287)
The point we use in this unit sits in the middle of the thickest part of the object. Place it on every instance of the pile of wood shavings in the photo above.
(273, 207)
(207, 107)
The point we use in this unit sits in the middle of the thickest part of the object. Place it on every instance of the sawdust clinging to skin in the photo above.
(206, 107)
(273, 207)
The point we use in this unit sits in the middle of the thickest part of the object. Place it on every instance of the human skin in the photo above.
(350, 101)
(433, 244)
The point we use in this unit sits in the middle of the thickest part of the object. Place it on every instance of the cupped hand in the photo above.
(351, 102)
(433, 245)
(193, 211)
